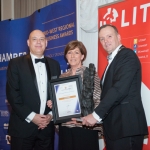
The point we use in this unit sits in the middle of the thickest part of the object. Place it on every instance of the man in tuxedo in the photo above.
(121, 108)
(27, 91)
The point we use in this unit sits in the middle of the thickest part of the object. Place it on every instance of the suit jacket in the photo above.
(22, 93)
(121, 107)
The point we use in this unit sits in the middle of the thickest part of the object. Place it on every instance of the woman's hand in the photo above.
(74, 121)
(49, 103)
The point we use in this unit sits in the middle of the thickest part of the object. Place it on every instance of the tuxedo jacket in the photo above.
(121, 107)
(23, 95)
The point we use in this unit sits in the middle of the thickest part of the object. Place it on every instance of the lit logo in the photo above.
(126, 20)
(111, 16)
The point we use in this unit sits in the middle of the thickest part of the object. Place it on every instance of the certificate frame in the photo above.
(65, 92)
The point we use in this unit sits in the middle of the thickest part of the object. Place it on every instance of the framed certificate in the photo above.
(65, 94)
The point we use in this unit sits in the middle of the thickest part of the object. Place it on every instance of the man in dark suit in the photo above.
(27, 91)
(121, 108)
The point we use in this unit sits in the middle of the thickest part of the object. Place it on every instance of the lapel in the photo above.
(121, 47)
(102, 85)
(47, 69)
(34, 75)
(48, 76)
(32, 71)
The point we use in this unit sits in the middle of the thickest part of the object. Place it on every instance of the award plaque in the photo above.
(65, 94)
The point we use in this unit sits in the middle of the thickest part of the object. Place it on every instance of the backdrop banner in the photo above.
(58, 22)
(131, 19)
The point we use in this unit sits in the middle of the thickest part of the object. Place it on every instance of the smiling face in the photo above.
(109, 39)
(75, 57)
(37, 43)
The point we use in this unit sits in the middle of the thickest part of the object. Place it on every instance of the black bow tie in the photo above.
(40, 60)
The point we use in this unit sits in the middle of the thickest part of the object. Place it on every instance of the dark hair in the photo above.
(108, 25)
(76, 44)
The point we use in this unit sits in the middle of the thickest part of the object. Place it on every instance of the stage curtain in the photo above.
(24, 8)
(89, 27)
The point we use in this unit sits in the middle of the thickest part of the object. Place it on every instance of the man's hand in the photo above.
(42, 120)
(39, 120)
(48, 118)
(89, 120)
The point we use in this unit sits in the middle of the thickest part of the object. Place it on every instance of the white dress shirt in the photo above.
(113, 54)
(41, 77)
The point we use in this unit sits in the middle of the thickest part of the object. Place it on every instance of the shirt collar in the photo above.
(33, 57)
(114, 53)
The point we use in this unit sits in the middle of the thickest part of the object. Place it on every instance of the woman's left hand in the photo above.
(74, 121)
